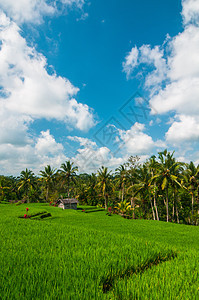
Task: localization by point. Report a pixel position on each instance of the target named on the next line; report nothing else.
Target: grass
(75, 255)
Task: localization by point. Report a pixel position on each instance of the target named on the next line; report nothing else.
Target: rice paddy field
(90, 255)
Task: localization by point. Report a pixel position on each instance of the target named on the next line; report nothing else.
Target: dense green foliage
(77, 255)
(160, 188)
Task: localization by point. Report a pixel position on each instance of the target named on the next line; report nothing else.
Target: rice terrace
(99, 150)
(79, 255)
(101, 246)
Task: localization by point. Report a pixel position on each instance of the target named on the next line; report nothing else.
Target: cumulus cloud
(46, 144)
(146, 55)
(184, 128)
(28, 89)
(174, 76)
(137, 142)
(181, 93)
(28, 92)
(82, 141)
(190, 11)
(89, 157)
(33, 11)
(35, 155)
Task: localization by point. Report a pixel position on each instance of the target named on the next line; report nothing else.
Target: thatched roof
(69, 201)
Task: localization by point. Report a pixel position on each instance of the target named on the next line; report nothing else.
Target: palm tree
(121, 177)
(144, 184)
(153, 167)
(3, 187)
(132, 165)
(48, 177)
(26, 182)
(91, 189)
(191, 177)
(68, 173)
(166, 174)
(104, 181)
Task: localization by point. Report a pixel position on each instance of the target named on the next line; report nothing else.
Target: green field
(79, 255)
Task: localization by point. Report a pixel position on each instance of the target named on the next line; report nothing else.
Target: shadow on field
(108, 282)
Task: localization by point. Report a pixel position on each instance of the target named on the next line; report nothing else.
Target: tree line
(161, 188)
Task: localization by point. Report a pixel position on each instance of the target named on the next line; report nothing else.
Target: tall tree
(132, 166)
(191, 177)
(48, 177)
(144, 184)
(67, 174)
(104, 181)
(27, 181)
(121, 178)
(91, 189)
(153, 167)
(166, 174)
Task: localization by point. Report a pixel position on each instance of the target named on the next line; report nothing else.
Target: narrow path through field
(109, 281)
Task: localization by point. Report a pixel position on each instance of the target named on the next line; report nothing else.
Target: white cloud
(30, 90)
(40, 152)
(190, 11)
(28, 93)
(89, 158)
(181, 93)
(183, 61)
(46, 144)
(33, 11)
(174, 77)
(136, 142)
(131, 61)
(146, 55)
(82, 141)
(184, 128)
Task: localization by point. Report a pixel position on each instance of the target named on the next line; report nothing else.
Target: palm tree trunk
(156, 209)
(104, 195)
(177, 213)
(173, 212)
(47, 194)
(167, 204)
(105, 204)
(122, 192)
(152, 207)
(68, 188)
(133, 206)
(192, 204)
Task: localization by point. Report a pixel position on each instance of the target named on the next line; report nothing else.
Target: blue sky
(97, 81)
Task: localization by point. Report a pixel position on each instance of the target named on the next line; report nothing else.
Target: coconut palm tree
(27, 181)
(121, 178)
(67, 174)
(132, 167)
(143, 184)
(48, 177)
(191, 177)
(91, 189)
(3, 189)
(104, 182)
(153, 167)
(166, 174)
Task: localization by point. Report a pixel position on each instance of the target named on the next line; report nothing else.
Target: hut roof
(69, 201)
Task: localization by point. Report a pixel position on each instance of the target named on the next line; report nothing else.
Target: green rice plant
(73, 255)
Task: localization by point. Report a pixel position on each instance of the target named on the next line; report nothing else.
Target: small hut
(68, 203)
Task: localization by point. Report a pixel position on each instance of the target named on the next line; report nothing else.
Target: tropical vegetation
(161, 188)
